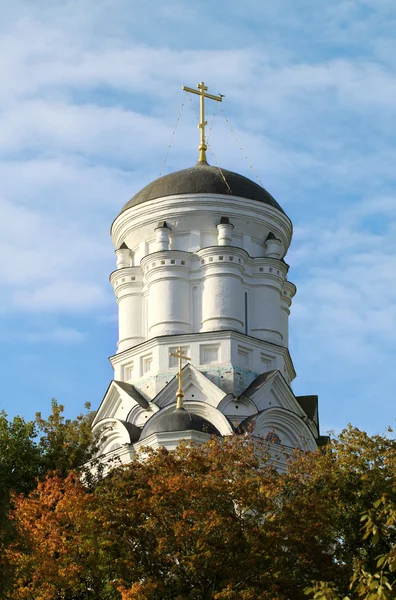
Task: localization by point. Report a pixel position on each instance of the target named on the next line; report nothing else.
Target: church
(204, 299)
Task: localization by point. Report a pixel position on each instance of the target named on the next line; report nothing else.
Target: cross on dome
(202, 123)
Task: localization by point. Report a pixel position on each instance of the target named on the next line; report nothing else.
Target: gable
(196, 386)
(271, 390)
(118, 402)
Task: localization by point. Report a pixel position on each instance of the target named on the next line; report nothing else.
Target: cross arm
(199, 93)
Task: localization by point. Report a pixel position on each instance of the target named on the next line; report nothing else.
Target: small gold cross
(219, 98)
(179, 394)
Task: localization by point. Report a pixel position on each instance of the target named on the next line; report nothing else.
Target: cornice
(177, 206)
(185, 338)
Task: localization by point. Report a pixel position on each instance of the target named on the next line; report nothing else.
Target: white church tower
(201, 273)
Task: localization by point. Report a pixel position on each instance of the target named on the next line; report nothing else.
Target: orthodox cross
(201, 93)
(179, 394)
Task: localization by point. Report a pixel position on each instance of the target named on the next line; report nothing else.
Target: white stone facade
(204, 272)
(199, 284)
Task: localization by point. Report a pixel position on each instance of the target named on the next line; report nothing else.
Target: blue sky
(90, 95)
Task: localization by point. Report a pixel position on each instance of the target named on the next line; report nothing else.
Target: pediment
(118, 402)
(196, 387)
(271, 390)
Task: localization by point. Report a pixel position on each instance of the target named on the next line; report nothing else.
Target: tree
(379, 526)
(19, 465)
(357, 475)
(214, 522)
(19, 458)
(29, 450)
(65, 444)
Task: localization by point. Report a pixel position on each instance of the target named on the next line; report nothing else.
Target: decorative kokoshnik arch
(289, 427)
(115, 433)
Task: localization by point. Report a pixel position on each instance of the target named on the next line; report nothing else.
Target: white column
(223, 294)
(273, 247)
(128, 288)
(224, 232)
(289, 289)
(167, 279)
(123, 256)
(265, 322)
(162, 236)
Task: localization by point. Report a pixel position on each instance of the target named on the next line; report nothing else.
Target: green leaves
(28, 451)
(65, 444)
(208, 522)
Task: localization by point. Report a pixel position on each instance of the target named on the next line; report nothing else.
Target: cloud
(62, 296)
(50, 265)
(58, 335)
(346, 300)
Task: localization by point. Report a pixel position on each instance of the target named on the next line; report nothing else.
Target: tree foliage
(215, 522)
(29, 451)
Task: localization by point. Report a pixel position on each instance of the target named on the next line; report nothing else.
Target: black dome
(178, 420)
(203, 179)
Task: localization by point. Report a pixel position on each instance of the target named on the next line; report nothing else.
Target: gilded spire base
(179, 400)
(202, 153)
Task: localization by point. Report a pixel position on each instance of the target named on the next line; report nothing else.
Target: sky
(90, 94)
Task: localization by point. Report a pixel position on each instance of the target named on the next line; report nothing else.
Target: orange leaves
(51, 536)
(211, 522)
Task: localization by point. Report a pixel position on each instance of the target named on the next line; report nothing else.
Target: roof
(178, 420)
(203, 179)
(258, 382)
(133, 430)
(133, 392)
(309, 404)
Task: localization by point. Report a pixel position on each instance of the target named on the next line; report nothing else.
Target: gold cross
(179, 394)
(219, 98)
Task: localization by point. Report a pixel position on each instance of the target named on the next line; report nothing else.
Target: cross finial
(202, 123)
(179, 394)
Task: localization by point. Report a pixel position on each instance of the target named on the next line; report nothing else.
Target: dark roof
(133, 430)
(246, 426)
(323, 440)
(133, 392)
(203, 179)
(258, 382)
(309, 404)
(178, 420)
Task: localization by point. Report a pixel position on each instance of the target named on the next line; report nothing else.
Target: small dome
(203, 179)
(178, 420)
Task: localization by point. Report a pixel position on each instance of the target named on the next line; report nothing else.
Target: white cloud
(346, 300)
(50, 265)
(62, 296)
(59, 335)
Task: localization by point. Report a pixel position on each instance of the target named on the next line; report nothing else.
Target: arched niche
(114, 433)
(237, 409)
(289, 428)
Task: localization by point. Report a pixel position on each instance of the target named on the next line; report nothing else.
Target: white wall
(199, 286)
